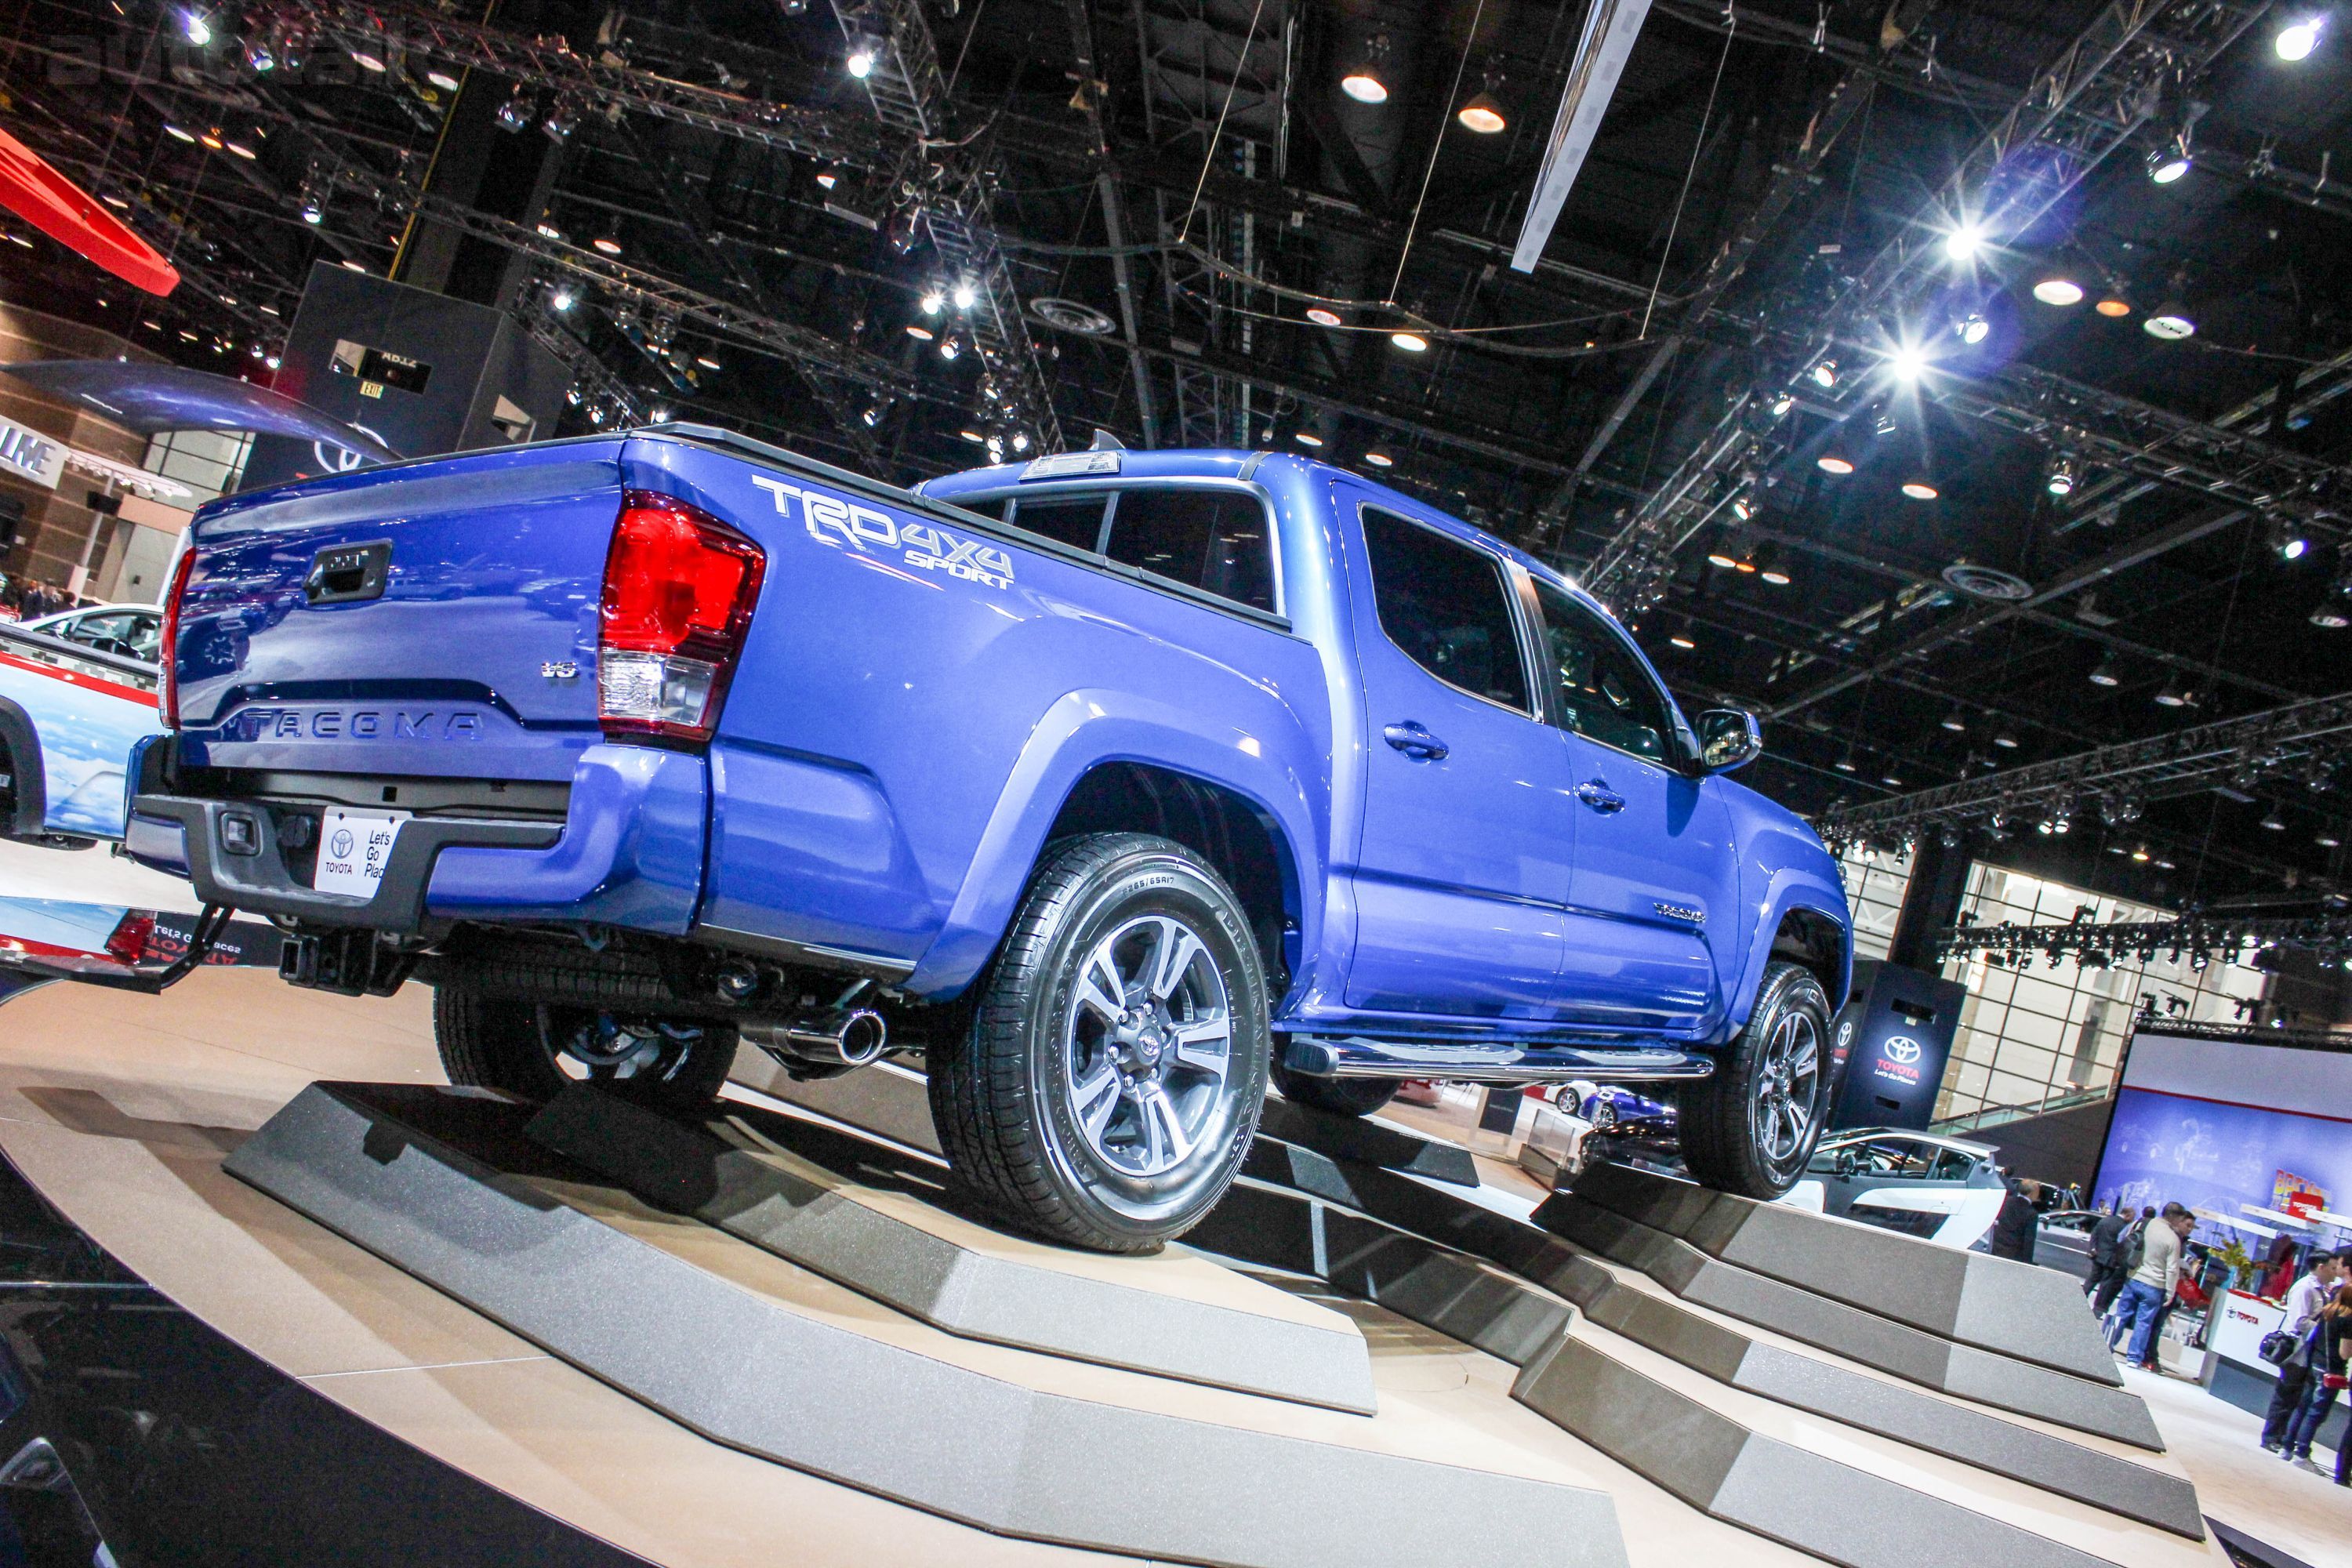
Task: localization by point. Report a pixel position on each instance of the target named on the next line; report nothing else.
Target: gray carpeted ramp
(441, 1184)
(739, 1172)
(1994, 1303)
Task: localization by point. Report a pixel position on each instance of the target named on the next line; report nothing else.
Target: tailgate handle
(347, 574)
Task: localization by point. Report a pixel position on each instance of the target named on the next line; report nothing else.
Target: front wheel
(1750, 1128)
(1109, 1082)
(533, 1050)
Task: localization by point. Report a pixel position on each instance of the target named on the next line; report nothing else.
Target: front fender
(1269, 760)
(1783, 887)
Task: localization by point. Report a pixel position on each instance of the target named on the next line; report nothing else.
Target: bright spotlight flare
(1965, 243)
(2297, 39)
(1908, 363)
(861, 61)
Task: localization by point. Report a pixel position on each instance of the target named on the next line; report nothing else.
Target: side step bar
(1357, 1057)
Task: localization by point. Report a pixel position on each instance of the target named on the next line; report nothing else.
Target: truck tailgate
(435, 619)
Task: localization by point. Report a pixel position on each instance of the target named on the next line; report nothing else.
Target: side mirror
(1728, 739)
(1848, 1163)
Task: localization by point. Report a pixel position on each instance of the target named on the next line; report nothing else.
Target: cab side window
(1216, 540)
(1603, 693)
(1447, 606)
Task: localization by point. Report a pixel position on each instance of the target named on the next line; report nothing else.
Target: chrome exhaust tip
(822, 1037)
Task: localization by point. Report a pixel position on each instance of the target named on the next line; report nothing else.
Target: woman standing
(2327, 1346)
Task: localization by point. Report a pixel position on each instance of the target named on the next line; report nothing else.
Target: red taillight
(167, 690)
(679, 586)
(128, 943)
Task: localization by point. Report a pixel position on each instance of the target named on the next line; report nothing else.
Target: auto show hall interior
(1954, 386)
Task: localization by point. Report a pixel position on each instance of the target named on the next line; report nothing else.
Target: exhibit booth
(2256, 1138)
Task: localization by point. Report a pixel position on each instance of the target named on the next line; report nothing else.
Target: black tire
(1340, 1096)
(1002, 1092)
(535, 1050)
(1722, 1121)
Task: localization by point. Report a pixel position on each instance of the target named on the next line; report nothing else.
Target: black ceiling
(1244, 187)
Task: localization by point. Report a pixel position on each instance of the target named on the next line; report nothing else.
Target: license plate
(354, 846)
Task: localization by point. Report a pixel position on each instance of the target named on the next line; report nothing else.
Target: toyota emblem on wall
(1900, 1048)
(342, 844)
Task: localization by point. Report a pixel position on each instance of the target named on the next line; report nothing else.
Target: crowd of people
(2319, 1322)
(2135, 1268)
(29, 598)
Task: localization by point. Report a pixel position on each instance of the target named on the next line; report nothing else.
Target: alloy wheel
(1148, 1045)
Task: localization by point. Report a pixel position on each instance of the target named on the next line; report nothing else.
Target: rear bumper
(629, 853)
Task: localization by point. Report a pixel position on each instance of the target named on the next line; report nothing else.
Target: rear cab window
(1210, 539)
(1216, 540)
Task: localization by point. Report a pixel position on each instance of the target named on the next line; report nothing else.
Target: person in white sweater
(2150, 1285)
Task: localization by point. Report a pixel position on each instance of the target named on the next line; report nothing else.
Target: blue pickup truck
(1116, 783)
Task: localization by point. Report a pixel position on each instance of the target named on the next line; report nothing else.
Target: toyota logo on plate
(1900, 1048)
(340, 847)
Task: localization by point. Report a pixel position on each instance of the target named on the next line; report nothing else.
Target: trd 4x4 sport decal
(922, 545)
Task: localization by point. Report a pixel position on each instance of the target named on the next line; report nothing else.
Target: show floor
(2219, 1446)
(93, 876)
(119, 1108)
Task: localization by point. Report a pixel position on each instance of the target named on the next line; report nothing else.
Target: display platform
(1737, 1414)
(1533, 1399)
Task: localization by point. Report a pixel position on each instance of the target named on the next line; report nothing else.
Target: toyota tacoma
(1116, 783)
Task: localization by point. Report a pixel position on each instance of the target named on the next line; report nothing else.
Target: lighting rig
(2196, 937)
(2306, 742)
(2095, 98)
(937, 186)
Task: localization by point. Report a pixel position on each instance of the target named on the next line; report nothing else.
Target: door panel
(1464, 865)
(1654, 869)
(1644, 892)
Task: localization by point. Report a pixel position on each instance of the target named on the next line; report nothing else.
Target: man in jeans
(2148, 1289)
(2304, 1300)
(2109, 1238)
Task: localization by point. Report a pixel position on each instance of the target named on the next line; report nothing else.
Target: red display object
(73, 216)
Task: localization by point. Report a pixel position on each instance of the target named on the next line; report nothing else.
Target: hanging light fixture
(1483, 114)
(1920, 489)
(2170, 321)
(2105, 672)
(1380, 459)
(1322, 316)
(2172, 696)
(2297, 39)
(1825, 374)
(1362, 81)
(2272, 821)
(1411, 342)
(2062, 475)
(2114, 306)
(2056, 291)
(1955, 721)
(1833, 463)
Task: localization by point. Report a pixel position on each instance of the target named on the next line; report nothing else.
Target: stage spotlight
(1482, 115)
(1825, 374)
(1964, 243)
(2058, 291)
(2297, 39)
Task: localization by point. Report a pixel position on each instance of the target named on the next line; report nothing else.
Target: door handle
(1596, 794)
(1413, 739)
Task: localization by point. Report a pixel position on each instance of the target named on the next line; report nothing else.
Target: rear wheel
(1340, 1096)
(534, 1050)
(1110, 1080)
(1750, 1128)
